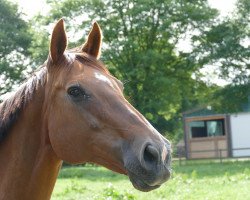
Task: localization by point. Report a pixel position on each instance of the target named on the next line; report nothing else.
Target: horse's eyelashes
(74, 91)
(77, 93)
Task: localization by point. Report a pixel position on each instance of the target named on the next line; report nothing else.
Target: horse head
(89, 119)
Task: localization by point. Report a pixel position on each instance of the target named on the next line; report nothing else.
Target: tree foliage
(227, 45)
(232, 98)
(141, 47)
(14, 41)
(141, 40)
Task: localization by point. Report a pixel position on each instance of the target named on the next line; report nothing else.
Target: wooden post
(220, 153)
(179, 158)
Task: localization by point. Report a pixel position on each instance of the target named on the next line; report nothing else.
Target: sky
(31, 7)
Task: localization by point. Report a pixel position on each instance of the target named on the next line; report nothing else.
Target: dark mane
(11, 108)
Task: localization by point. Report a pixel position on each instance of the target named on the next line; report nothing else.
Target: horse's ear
(93, 44)
(58, 41)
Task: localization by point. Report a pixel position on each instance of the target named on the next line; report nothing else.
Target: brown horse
(74, 110)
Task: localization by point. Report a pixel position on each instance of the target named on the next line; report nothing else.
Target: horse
(72, 109)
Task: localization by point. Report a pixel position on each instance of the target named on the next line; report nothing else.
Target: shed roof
(201, 111)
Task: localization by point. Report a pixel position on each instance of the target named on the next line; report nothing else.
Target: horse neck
(29, 166)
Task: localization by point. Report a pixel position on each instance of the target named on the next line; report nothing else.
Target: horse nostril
(151, 155)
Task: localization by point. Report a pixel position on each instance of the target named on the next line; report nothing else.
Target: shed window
(209, 128)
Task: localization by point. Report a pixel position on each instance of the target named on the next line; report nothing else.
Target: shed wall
(206, 147)
(240, 134)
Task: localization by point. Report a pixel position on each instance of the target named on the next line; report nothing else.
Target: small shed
(212, 135)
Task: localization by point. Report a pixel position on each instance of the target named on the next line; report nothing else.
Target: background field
(193, 180)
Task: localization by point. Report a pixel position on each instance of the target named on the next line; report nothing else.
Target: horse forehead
(80, 72)
(103, 78)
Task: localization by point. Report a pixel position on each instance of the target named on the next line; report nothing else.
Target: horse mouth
(139, 184)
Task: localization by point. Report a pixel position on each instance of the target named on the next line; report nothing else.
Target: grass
(193, 180)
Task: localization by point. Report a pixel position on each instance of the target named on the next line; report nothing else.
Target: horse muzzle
(151, 168)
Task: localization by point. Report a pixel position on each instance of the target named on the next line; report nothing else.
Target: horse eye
(75, 91)
(77, 94)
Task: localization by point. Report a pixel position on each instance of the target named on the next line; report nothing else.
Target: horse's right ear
(58, 41)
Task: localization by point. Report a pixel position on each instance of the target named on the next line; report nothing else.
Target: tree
(226, 45)
(141, 40)
(232, 98)
(14, 41)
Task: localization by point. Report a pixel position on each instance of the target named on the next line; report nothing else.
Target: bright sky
(225, 6)
(32, 7)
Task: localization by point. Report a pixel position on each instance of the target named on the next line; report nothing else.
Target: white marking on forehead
(103, 78)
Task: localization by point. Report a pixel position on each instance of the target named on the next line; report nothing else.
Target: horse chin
(139, 184)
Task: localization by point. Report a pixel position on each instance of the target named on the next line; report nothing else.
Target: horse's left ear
(58, 41)
(93, 44)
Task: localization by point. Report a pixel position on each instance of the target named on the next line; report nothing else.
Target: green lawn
(194, 180)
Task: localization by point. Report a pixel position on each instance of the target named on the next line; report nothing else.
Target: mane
(11, 108)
